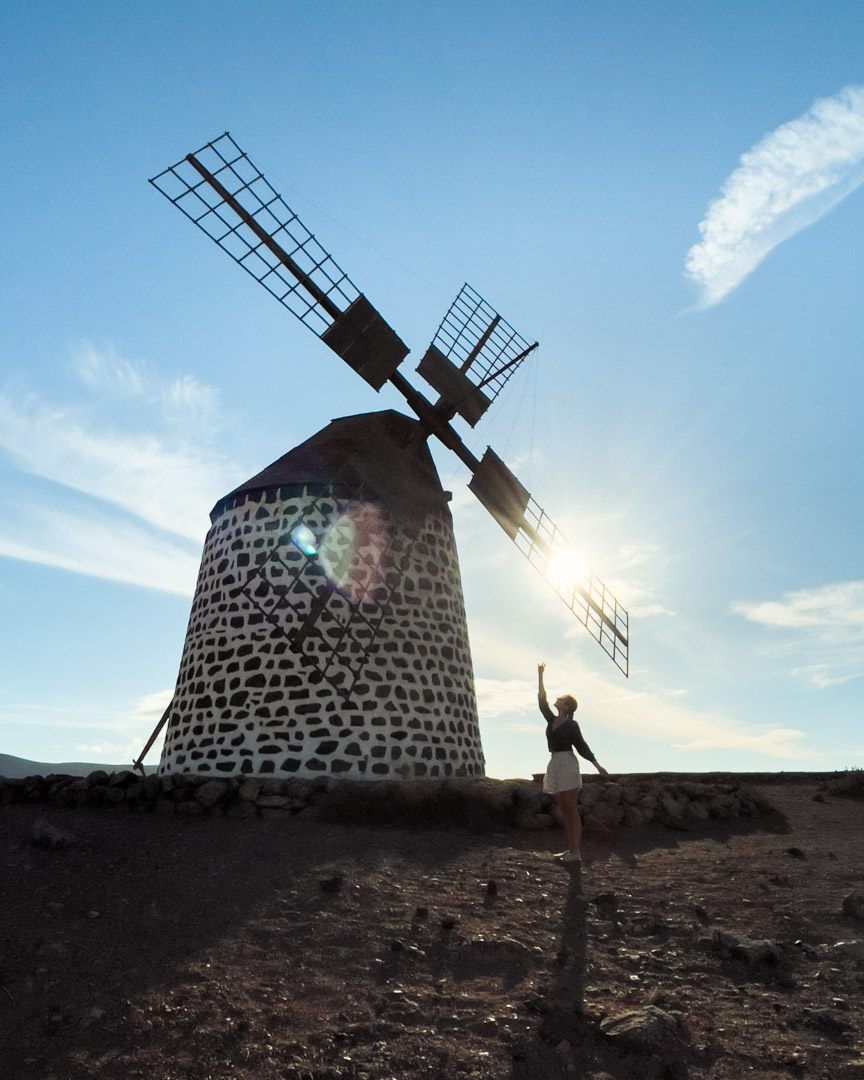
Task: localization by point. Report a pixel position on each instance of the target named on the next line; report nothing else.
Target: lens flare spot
(304, 540)
(353, 550)
(338, 550)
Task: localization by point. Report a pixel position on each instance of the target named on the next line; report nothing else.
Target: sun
(566, 569)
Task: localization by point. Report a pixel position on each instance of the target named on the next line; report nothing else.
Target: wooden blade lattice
(226, 196)
(545, 547)
(479, 343)
(185, 186)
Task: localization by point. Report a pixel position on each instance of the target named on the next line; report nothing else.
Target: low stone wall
(466, 803)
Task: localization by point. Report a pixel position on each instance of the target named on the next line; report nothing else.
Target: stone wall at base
(476, 803)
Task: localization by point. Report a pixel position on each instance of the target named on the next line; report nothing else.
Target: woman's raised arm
(541, 690)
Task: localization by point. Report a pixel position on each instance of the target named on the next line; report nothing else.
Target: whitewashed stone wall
(246, 703)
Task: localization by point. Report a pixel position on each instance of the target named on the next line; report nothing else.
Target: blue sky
(666, 195)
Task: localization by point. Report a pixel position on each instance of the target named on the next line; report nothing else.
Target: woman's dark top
(565, 735)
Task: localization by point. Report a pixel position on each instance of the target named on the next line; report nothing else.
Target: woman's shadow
(560, 1004)
(568, 1041)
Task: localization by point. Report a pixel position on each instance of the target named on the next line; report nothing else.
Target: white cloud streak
(509, 714)
(825, 626)
(129, 497)
(505, 697)
(786, 182)
(776, 742)
(647, 716)
(172, 487)
(113, 736)
(98, 546)
(105, 370)
(183, 397)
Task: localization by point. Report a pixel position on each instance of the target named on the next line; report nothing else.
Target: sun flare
(566, 569)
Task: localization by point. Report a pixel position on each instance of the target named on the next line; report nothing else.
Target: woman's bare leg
(565, 816)
(568, 804)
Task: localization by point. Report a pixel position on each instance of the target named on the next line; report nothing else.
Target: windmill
(327, 633)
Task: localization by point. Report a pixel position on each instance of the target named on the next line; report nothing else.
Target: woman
(563, 778)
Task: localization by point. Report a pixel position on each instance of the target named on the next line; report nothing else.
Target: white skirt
(562, 773)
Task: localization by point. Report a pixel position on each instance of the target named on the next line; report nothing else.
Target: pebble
(645, 1031)
(49, 837)
(753, 951)
(54, 948)
(853, 905)
(855, 949)
(93, 1016)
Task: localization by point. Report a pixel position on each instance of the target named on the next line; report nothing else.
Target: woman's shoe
(571, 857)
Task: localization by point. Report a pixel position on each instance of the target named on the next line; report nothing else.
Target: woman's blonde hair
(570, 701)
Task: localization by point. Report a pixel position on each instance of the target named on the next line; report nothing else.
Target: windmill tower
(327, 634)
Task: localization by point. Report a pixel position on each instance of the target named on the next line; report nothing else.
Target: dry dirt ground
(289, 949)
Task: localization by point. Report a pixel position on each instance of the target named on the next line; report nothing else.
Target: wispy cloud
(775, 742)
(638, 598)
(97, 545)
(789, 180)
(109, 736)
(656, 719)
(508, 706)
(135, 475)
(106, 373)
(821, 629)
(103, 369)
(139, 723)
(171, 486)
(505, 697)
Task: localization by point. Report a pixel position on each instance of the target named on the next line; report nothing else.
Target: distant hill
(15, 768)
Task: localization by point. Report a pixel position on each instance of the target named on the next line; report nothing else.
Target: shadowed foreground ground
(283, 948)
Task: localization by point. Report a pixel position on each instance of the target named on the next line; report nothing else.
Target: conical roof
(386, 452)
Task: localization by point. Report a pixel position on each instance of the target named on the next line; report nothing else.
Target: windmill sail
(545, 547)
(228, 198)
(473, 354)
